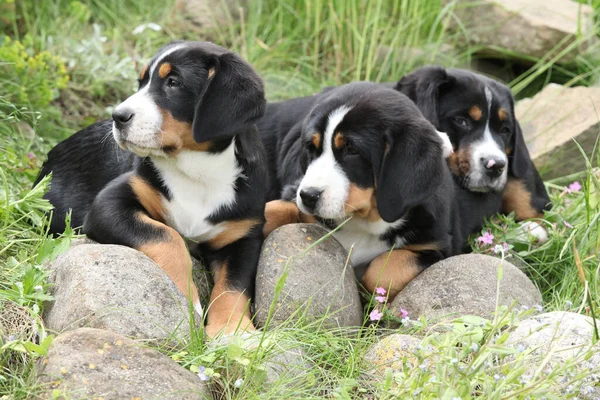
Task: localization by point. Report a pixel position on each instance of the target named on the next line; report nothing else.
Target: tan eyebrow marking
(339, 141)
(475, 112)
(316, 139)
(502, 114)
(164, 70)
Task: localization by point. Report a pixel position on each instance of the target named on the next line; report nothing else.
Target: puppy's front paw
(532, 229)
(446, 144)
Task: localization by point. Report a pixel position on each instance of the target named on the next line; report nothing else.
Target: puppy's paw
(446, 144)
(532, 229)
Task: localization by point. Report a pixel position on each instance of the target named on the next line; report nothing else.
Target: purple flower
(568, 225)
(380, 291)
(31, 156)
(380, 299)
(403, 313)
(487, 238)
(573, 187)
(203, 377)
(375, 315)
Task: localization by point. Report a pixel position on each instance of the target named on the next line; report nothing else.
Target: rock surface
(552, 119)
(567, 336)
(526, 28)
(115, 288)
(465, 285)
(320, 282)
(92, 363)
(397, 351)
(210, 14)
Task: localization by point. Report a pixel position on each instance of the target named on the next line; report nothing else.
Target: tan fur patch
(339, 141)
(316, 139)
(392, 273)
(517, 198)
(172, 256)
(149, 197)
(279, 213)
(362, 202)
(177, 135)
(502, 114)
(475, 113)
(508, 150)
(459, 162)
(164, 70)
(143, 72)
(416, 247)
(229, 309)
(232, 232)
(211, 73)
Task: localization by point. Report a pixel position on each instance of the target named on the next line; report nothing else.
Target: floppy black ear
(411, 172)
(423, 88)
(234, 99)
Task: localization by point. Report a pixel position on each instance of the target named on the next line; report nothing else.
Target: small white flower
(539, 308)
(19, 285)
(498, 249)
(524, 307)
(520, 348)
(405, 320)
(432, 379)
(568, 304)
(238, 383)
(475, 347)
(454, 361)
(38, 288)
(150, 25)
(35, 309)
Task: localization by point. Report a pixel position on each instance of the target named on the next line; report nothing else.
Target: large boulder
(465, 285)
(556, 339)
(523, 28)
(92, 363)
(116, 288)
(552, 120)
(319, 279)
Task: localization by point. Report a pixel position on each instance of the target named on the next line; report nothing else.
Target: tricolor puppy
(490, 155)
(365, 153)
(198, 172)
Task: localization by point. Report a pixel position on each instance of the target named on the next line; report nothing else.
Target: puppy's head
(190, 95)
(367, 151)
(478, 115)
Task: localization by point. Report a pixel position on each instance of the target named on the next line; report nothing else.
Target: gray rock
(566, 337)
(115, 288)
(396, 351)
(320, 281)
(285, 364)
(526, 28)
(92, 363)
(465, 285)
(552, 120)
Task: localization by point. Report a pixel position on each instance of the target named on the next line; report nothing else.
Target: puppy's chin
(321, 212)
(483, 184)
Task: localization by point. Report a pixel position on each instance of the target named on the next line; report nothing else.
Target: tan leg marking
(229, 309)
(433, 246)
(394, 273)
(279, 213)
(148, 197)
(233, 231)
(172, 256)
(177, 135)
(517, 198)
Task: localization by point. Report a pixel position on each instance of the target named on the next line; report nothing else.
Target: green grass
(299, 47)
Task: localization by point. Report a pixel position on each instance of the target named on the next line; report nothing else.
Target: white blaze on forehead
(326, 175)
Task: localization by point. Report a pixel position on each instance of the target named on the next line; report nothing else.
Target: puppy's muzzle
(123, 118)
(494, 166)
(310, 198)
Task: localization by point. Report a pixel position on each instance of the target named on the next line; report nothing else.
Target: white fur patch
(198, 308)
(200, 184)
(487, 147)
(446, 144)
(325, 174)
(532, 229)
(365, 237)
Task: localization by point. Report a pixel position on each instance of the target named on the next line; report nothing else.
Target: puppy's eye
(350, 149)
(173, 82)
(459, 121)
(505, 130)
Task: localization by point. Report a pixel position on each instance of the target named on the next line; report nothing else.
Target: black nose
(310, 197)
(122, 117)
(494, 166)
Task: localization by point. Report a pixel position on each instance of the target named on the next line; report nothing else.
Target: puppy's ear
(520, 166)
(411, 172)
(234, 98)
(423, 87)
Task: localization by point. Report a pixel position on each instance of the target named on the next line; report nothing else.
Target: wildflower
(238, 383)
(417, 392)
(454, 361)
(487, 238)
(568, 304)
(38, 288)
(405, 321)
(573, 187)
(568, 225)
(497, 377)
(539, 308)
(524, 307)
(457, 398)
(520, 348)
(203, 377)
(141, 28)
(19, 286)
(403, 313)
(380, 291)
(498, 249)
(375, 315)
(380, 299)
(31, 156)
(475, 347)
(587, 390)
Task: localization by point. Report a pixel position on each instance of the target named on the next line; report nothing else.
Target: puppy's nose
(122, 117)
(494, 166)
(310, 197)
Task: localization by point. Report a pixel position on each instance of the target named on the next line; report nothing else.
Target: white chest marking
(365, 237)
(200, 185)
